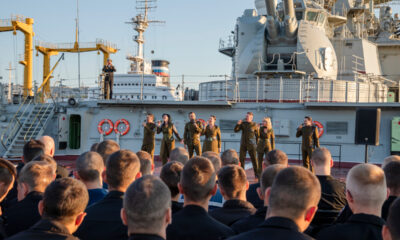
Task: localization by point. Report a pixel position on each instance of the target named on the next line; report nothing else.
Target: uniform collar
(50, 226)
(261, 212)
(137, 236)
(367, 218)
(280, 222)
(115, 195)
(236, 203)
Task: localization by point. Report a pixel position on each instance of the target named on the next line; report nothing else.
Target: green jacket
(191, 135)
(267, 138)
(249, 132)
(149, 132)
(310, 136)
(169, 132)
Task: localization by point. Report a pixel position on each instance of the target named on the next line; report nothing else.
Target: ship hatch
(75, 132)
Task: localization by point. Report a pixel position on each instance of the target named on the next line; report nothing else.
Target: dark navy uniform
(45, 229)
(274, 228)
(24, 214)
(193, 222)
(252, 196)
(137, 236)
(232, 211)
(250, 222)
(103, 219)
(386, 206)
(359, 226)
(109, 79)
(176, 206)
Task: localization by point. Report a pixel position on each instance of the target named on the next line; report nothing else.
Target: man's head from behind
(147, 206)
(32, 149)
(34, 176)
(232, 182)
(391, 230)
(8, 173)
(179, 154)
(48, 159)
(267, 178)
(392, 158)
(146, 163)
(65, 201)
(275, 157)
(392, 174)
(122, 168)
(214, 158)
(171, 175)
(230, 156)
(198, 180)
(89, 168)
(106, 148)
(295, 194)
(321, 159)
(49, 146)
(366, 189)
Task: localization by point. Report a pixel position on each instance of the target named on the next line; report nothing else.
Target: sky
(189, 39)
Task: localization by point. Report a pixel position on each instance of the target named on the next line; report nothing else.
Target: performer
(168, 142)
(248, 141)
(149, 132)
(191, 135)
(266, 142)
(109, 70)
(212, 142)
(310, 140)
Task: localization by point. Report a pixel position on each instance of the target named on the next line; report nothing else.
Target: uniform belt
(210, 139)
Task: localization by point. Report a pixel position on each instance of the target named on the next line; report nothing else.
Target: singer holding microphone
(310, 140)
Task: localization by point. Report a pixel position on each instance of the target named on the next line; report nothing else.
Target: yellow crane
(50, 49)
(24, 25)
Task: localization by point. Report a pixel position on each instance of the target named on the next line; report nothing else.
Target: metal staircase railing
(33, 126)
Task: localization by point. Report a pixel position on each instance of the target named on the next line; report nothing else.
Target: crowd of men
(112, 193)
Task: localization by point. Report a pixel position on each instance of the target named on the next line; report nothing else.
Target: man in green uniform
(149, 131)
(191, 135)
(310, 140)
(248, 141)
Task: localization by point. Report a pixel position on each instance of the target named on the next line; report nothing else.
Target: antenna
(77, 42)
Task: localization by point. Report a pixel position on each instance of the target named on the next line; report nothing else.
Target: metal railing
(37, 119)
(15, 124)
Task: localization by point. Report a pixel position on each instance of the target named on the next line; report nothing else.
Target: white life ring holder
(124, 121)
(100, 127)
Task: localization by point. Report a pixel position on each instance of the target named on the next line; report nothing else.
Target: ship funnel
(272, 23)
(290, 19)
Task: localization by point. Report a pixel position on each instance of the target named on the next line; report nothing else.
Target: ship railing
(72, 45)
(15, 124)
(229, 42)
(8, 22)
(275, 63)
(38, 122)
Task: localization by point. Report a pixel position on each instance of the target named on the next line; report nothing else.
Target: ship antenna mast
(140, 23)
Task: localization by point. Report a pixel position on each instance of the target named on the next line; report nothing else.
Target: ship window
(336, 128)
(153, 85)
(155, 97)
(145, 97)
(145, 84)
(138, 97)
(299, 16)
(312, 16)
(131, 96)
(227, 125)
(137, 84)
(164, 97)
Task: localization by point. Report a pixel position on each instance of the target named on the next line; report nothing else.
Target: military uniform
(109, 79)
(149, 140)
(265, 144)
(248, 143)
(310, 139)
(168, 141)
(212, 142)
(191, 137)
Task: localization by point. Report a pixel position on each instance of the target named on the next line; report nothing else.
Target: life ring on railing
(127, 127)
(100, 126)
(320, 128)
(202, 121)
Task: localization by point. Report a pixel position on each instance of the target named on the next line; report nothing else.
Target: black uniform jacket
(103, 219)
(232, 211)
(250, 222)
(193, 222)
(252, 196)
(24, 214)
(359, 226)
(274, 228)
(45, 229)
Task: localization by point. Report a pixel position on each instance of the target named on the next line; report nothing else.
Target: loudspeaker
(368, 121)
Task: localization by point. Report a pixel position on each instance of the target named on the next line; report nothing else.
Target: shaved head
(268, 176)
(89, 166)
(321, 157)
(367, 185)
(49, 145)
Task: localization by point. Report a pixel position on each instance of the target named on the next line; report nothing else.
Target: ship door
(75, 131)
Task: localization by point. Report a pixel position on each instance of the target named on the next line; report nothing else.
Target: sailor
(191, 135)
(266, 141)
(248, 141)
(109, 70)
(310, 140)
(212, 142)
(168, 141)
(149, 131)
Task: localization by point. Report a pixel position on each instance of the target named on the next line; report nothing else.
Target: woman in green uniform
(266, 142)
(168, 141)
(212, 133)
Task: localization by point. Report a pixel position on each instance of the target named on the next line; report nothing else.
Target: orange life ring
(100, 126)
(320, 128)
(202, 121)
(124, 121)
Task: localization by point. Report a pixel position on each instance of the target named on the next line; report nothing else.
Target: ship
(291, 59)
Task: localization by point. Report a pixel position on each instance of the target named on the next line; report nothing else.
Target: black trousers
(108, 86)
